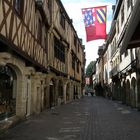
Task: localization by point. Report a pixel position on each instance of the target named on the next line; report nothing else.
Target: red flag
(95, 22)
(87, 80)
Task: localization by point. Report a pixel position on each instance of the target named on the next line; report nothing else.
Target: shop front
(8, 82)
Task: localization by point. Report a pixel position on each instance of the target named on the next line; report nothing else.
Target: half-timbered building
(41, 57)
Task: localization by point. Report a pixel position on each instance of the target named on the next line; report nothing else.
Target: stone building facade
(41, 57)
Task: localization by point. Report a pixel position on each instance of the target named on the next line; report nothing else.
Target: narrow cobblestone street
(90, 118)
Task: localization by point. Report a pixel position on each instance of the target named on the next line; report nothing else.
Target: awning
(134, 21)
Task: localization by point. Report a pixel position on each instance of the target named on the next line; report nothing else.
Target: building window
(74, 40)
(78, 48)
(39, 36)
(116, 62)
(120, 58)
(115, 43)
(78, 67)
(18, 5)
(59, 50)
(126, 53)
(49, 4)
(62, 19)
(73, 62)
(118, 26)
(128, 3)
(122, 15)
(46, 42)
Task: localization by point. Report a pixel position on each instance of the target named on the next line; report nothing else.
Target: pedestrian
(91, 93)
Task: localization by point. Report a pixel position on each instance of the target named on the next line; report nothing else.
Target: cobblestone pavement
(90, 118)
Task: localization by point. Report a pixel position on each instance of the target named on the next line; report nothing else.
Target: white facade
(120, 71)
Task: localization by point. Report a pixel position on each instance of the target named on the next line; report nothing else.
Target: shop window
(7, 92)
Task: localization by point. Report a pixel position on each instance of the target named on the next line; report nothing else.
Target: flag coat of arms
(95, 22)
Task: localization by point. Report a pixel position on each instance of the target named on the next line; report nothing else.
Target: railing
(117, 71)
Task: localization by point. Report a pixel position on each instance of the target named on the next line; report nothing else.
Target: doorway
(8, 86)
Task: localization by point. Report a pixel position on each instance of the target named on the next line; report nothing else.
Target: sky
(73, 9)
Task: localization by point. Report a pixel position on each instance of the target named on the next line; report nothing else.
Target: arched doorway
(8, 87)
(128, 92)
(51, 95)
(124, 93)
(113, 90)
(60, 92)
(45, 98)
(68, 92)
(119, 90)
(134, 92)
(138, 94)
(75, 92)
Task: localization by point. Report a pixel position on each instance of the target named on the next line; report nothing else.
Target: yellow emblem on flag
(101, 15)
